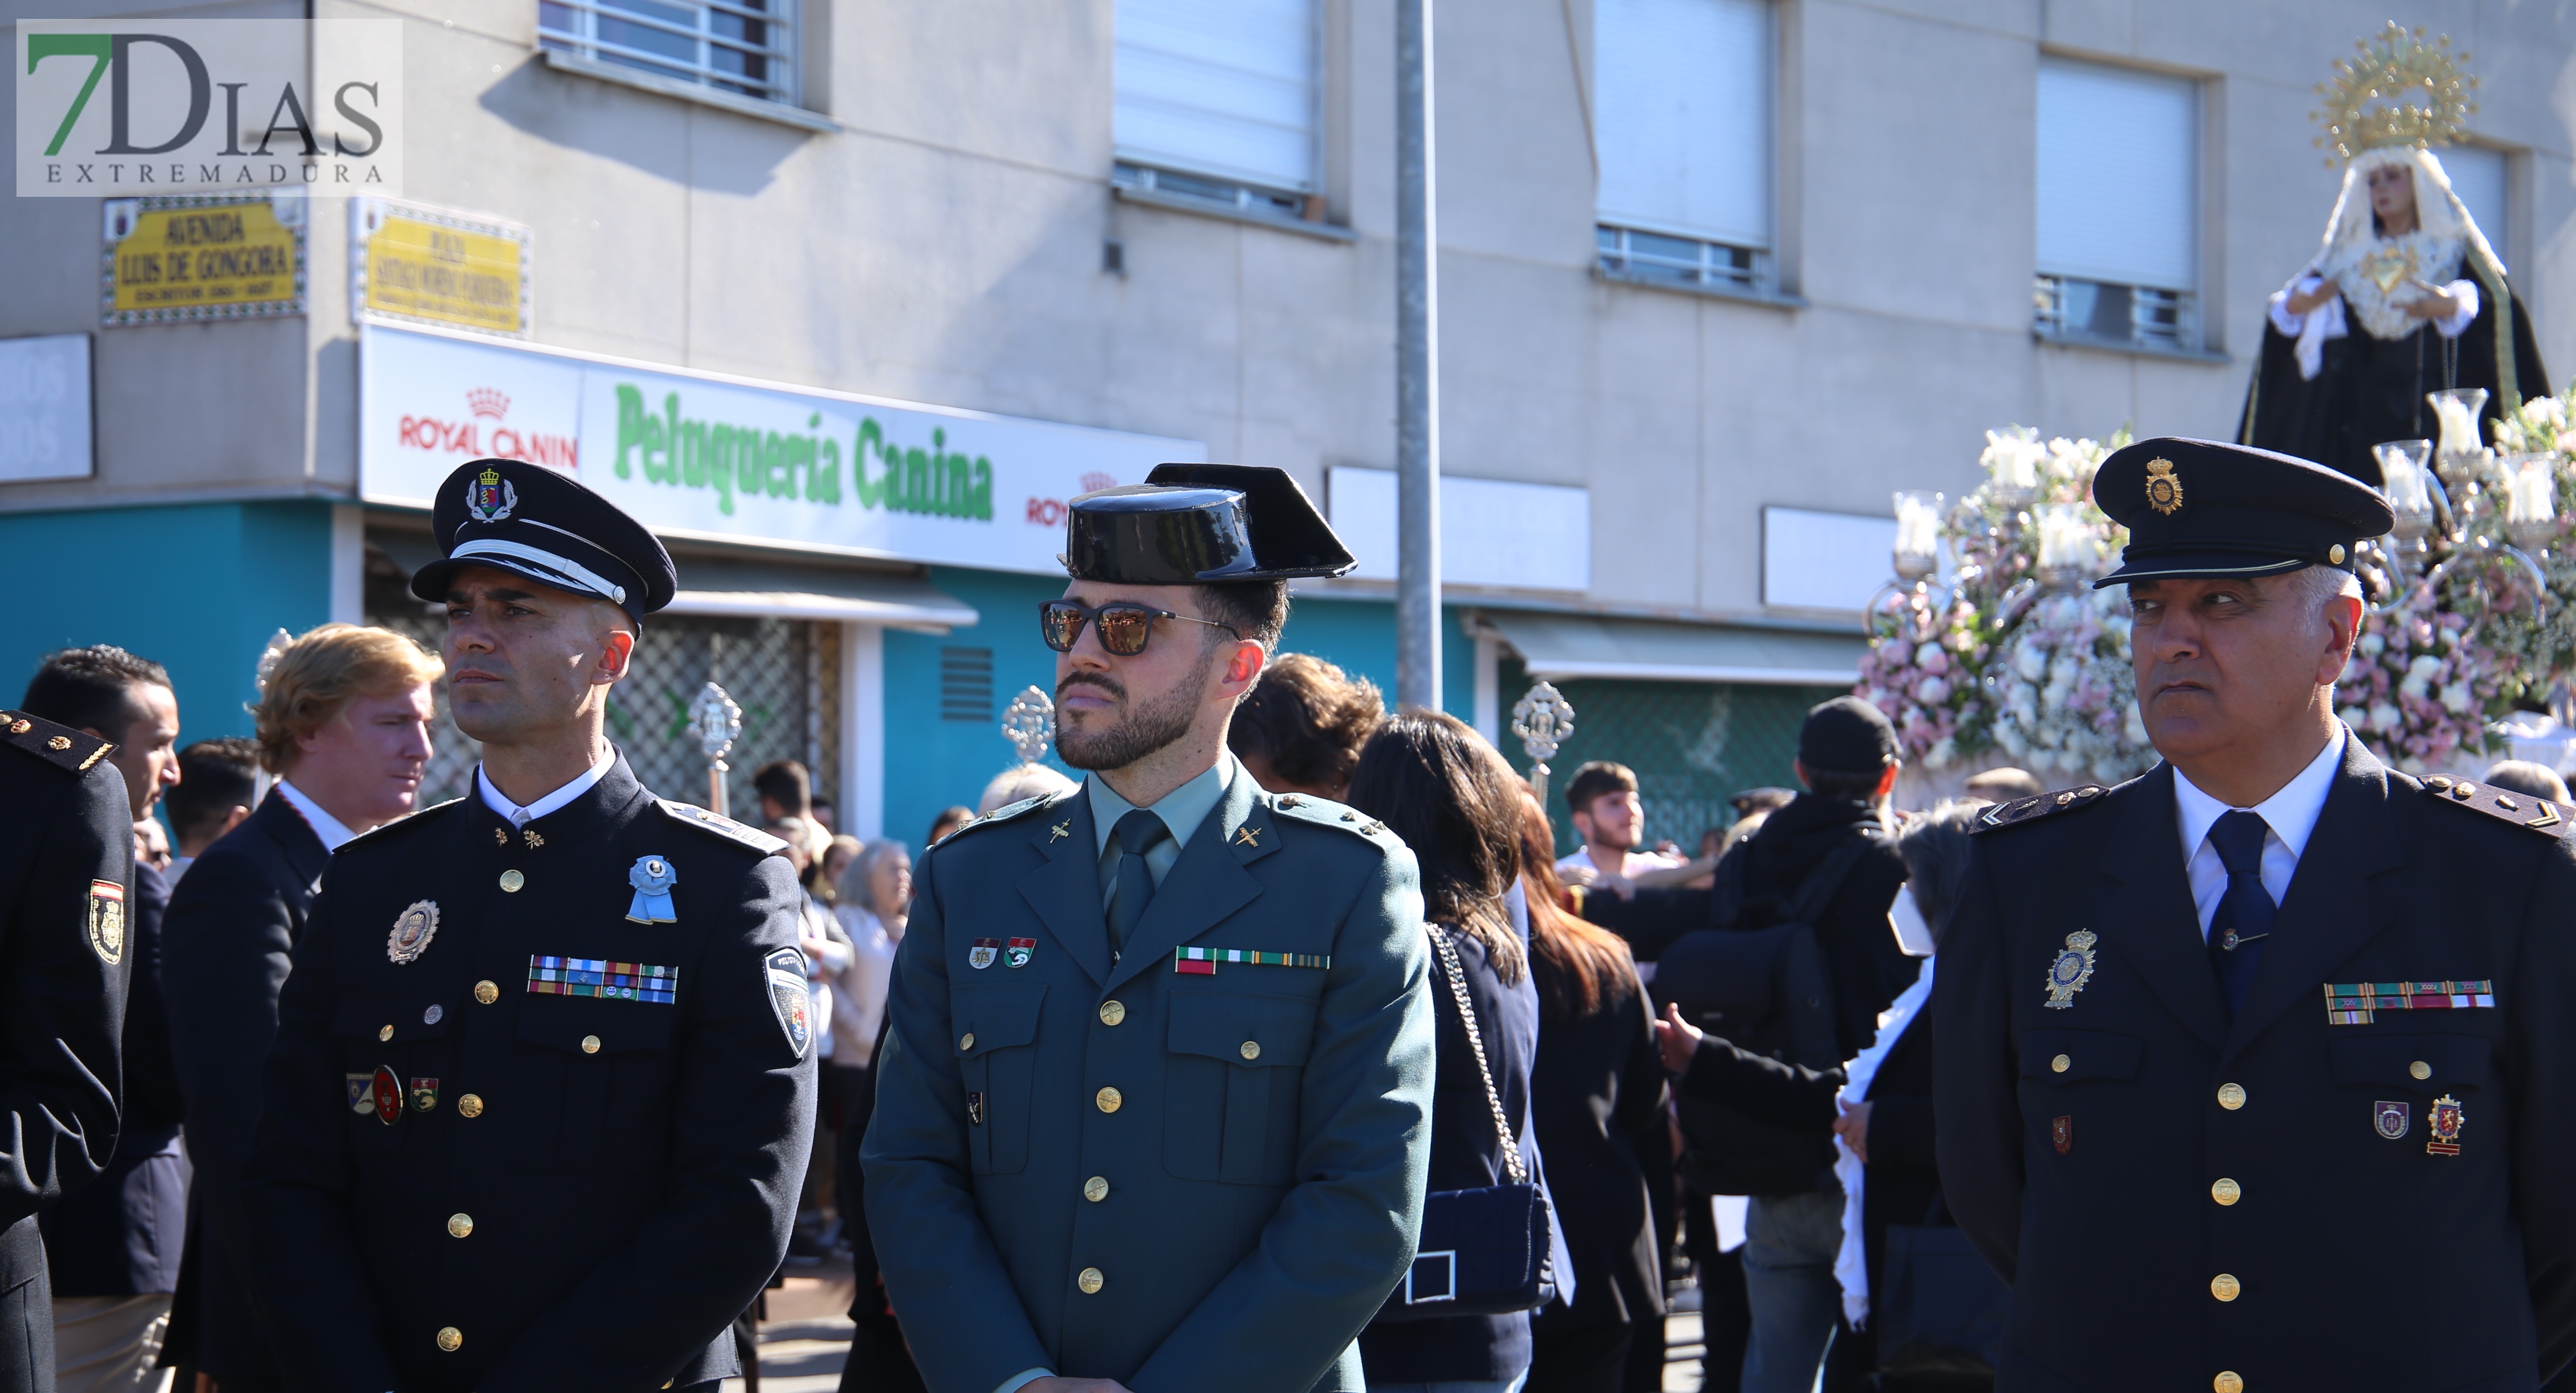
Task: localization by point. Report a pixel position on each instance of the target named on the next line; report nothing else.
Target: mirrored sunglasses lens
(1062, 625)
(1123, 629)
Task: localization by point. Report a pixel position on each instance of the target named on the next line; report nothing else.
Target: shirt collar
(1182, 809)
(2291, 813)
(563, 797)
(331, 830)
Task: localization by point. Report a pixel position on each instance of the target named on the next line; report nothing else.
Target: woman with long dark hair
(1440, 787)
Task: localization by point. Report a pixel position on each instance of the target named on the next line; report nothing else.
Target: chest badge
(983, 952)
(652, 877)
(413, 929)
(2071, 970)
(385, 1092)
(2392, 1119)
(1060, 831)
(1017, 951)
(2444, 1124)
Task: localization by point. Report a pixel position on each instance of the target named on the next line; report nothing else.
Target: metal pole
(1417, 367)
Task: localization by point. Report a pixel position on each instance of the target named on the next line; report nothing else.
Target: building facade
(846, 297)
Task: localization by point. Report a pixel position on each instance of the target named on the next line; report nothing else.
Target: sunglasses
(1123, 627)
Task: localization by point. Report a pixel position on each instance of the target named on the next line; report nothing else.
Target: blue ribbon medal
(652, 877)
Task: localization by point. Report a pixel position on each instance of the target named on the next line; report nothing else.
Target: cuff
(1016, 1382)
(2289, 324)
(2466, 293)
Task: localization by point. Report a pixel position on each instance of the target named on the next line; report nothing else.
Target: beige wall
(946, 247)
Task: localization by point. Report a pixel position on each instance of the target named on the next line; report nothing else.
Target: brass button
(2224, 1286)
(486, 992)
(450, 1338)
(1096, 1188)
(2334, 554)
(2231, 1096)
(590, 1044)
(2420, 1069)
(385, 1034)
(511, 880)
(459, 1225)
(2060, 1064)
(1090, 1281)
(1252, 1049)
(2227, 1382)
(2226, 1191)
(470, 1105)
(966, 1041)
(1108, 1099)
(1112, 1012)
(2464, 791)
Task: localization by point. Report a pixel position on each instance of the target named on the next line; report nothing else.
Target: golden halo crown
(2400, 90)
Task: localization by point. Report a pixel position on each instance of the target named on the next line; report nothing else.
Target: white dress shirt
(517, 816)
(331, 830)
(2289, 818)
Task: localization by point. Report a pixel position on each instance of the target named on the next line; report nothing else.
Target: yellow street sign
(178, 259)
(425, 266)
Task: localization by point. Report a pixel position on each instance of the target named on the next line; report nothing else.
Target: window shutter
(1683, 117)
(2478, 177)
(2119, 176)
(1219, 87)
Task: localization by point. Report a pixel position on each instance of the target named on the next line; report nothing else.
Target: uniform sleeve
(741, 1136)
(941, 1269)
(1974, 1082)
(225, 949)
(2542, 1041)
(62, 1005)
(1785, 1095)
(1343, 1235)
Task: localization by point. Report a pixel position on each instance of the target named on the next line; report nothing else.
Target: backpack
(1763, 990)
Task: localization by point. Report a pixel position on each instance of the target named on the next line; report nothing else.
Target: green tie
(1136, 833)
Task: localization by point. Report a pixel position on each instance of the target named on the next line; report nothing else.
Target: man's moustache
(1109, 685)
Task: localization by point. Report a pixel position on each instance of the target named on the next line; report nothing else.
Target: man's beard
(1143, 728)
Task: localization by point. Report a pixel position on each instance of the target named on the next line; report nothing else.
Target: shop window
(746, 47)
(966, 684)
(1216, 103)
(1683, 126)
(2111, 138)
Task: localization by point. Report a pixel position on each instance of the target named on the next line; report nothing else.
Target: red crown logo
(1095, 482)
(488, 401)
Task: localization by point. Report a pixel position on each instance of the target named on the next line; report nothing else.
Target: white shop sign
(44, 408)
(700, 455)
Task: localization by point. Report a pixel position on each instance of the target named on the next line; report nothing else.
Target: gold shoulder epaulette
(58, 745)
(2037, 806)
(2520, 809)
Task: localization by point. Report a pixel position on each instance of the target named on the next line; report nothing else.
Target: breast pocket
(2080, 1056)
(390, 1052)
(593, 1085)
(2412, 1063)
(997, 1033)
(1230, 1086)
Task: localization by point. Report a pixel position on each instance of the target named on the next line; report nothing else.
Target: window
(1216, 102)
(739, 46)
(2478, 177)
(1683, 122)
(2119, 207)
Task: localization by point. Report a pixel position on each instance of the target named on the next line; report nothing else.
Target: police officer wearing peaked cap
(543, 1085)
(1153, 1109)
(2253, 1070)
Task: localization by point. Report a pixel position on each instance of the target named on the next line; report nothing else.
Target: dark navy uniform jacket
(495, 1168)
(1185, 1180)
(2178, 1198)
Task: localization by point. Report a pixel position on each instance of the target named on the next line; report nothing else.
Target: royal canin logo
(471, 439)
(488, 402)
(1094, 482)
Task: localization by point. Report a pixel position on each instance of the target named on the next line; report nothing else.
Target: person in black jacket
(343, 720)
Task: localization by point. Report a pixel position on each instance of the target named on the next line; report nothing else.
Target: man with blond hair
(343, 723)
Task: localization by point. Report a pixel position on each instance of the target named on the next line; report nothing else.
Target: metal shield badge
(413, 929)
(1017, 952)
(983, 953)
(387, 1096)
(489, 497)
(2071, 969)
(791, 997)
(2444, 1122)
(107, 921)
(424, 1095)
(2392, 1119)
(362, 1094)
(2061, 1131)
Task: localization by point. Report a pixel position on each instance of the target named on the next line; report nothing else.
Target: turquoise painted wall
(932, 763)
(197, 588)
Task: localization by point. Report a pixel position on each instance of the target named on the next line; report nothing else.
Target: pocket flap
(369, 1017)
(2088, 1054)
(2451, 1062)
(590, 1026)
(995, 1018)
(1260, 1031)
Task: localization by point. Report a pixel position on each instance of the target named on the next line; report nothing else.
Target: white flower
(2384, 717)
(2372, 645)
(2424, 667)
(2030, 661)
(1943, 753)
(1924, 654)
(2356, 717)
(2455, 698)
(1932, 691)
(2546, 410)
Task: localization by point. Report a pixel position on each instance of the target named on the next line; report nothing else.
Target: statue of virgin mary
(2405, 298)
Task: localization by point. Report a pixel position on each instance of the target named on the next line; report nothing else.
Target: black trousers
(878, 1362)
(1568, 1355)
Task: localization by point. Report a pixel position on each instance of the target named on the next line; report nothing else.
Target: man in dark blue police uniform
(2253, 1072)
(1153, 1112)
(543, 1084)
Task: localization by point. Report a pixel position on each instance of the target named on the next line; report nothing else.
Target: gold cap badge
(2164, 491)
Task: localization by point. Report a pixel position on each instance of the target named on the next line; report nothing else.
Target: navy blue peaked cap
(2198, 509)
(533, 521)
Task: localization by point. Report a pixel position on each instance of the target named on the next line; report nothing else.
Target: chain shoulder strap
(1476, 1040)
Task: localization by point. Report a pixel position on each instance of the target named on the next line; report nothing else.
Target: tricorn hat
(1200, 524)
(525, 518)
(2200, 509)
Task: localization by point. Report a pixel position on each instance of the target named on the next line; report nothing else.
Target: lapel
(2154, 927)
(2332, 907)
(1208, 882)
(1064, 886)
(295, 838)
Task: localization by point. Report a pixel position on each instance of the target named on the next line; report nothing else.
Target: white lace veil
(2438, 211)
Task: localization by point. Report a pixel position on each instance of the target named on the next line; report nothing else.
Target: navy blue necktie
(2243, 923)
(1136, 834)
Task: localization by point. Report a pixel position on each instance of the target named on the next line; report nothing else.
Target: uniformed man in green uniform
(1153, 1112)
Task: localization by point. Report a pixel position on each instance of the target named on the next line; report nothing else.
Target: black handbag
(1483, 1252)
(1944, 1310)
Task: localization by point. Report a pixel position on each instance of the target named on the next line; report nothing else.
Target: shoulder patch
(1324, 812)
(1009, 812)
(2038, 806)
(2520, 809)
(58, 745)
(691, 815)
(413, 820)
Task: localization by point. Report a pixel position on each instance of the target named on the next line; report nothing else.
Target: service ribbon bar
(1203, 961)
(2352, 1003)
(600, 978)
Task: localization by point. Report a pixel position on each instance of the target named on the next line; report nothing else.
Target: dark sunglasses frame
(1088, 614)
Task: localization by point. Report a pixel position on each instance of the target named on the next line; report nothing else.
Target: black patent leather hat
(1198, 524)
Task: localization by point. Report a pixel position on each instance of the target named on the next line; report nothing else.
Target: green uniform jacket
(1233, 1160)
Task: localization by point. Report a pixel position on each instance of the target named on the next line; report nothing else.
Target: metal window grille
(965, 684)
(1631, 254)
(765, 664)
(2141, 316)
(741, 46)
(1252, 199)
(1693, 745)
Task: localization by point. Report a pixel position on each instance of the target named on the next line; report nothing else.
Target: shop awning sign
(705, 456)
